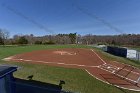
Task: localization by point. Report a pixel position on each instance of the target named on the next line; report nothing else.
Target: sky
(45, 17)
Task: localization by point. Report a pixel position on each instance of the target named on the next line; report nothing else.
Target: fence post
(138, 56)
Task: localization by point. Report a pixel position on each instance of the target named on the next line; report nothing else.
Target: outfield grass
(76, 79)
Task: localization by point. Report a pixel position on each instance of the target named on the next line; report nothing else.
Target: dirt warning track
(114, 73)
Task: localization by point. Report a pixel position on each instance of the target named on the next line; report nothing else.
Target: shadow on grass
(32, 86)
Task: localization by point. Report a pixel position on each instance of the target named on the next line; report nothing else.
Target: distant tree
(22, 40)
(30, 38)
(62, 39)
(31, 35)
(72, 37)
(4, 34)
(113, 42)
(1, 41)
(38, 42)
(49, 43)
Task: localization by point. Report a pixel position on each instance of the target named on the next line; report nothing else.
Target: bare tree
(4, 35)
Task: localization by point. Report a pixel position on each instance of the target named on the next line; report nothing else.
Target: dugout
(117, 51)
(6, 76)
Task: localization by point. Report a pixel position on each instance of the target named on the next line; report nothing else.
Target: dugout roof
(5, 70)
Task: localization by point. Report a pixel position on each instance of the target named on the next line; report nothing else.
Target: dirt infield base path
(114, 73)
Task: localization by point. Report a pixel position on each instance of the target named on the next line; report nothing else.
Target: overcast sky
(42, 17)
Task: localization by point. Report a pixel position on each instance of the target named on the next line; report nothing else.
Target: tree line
(71, 38)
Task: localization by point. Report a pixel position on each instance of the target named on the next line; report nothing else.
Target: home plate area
(110, 72)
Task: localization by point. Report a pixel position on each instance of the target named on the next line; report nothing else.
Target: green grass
(76, 80)
(11, 50)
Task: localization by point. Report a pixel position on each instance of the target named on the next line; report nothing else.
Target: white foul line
(98, 56)
(55, 63)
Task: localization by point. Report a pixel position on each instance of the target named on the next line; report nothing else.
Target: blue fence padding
(122, 52)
